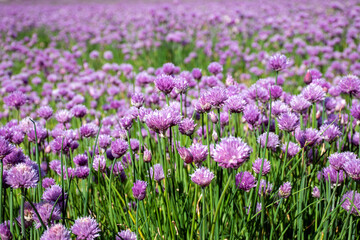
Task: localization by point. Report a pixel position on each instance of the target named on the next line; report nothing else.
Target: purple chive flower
(63, 116)
(119, 148)
(355, 111)
(126, 123)
(273, 140)
(118, 168)
(352, 168)
(5, 148)
(48, 182)
(257, 166)
(354, 204)
(139, 189)
(45, 210)
(158, 121)
(89, 130)
(134, 144)
(202, 177)
(265, 188)
(16, 156)
(349, 84)
(168, 68)
(164, 83)
(5, 233)
(245, 181)
(86, 228)
(157, 172)
(330, 132)
(308, 137)
(185, 155)
(285, 190)
(276, 91)
(41, 134)
(288, 121)
(236, 104)
(337, 160)
(56, 232)
(45, 112)
(108, 55)
(82, 172)
(79, 111)
(137, 100)
(278, 62)
(187, 126)
(215, 68)
(29, 214)
(181, 85)
(104, 141)
(315, 192)
(203, 105)
(126, 235)
(279, 107)
(313, 93)
(199, 152)
(99, 163)
(293, 149)
(217, 97)
(54, 193)
(332, 175)
(196, 73)
(81, 160)
(252, 115)
(15, 99)
(231, 152)
(22, 175)
(257, 92)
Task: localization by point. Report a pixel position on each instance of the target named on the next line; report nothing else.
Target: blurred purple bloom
(278, 62)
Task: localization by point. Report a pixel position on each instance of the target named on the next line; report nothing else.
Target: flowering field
(194, 120)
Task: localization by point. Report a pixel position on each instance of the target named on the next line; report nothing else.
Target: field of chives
(219, 120)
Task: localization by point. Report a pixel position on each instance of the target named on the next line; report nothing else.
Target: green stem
(218, 206)
(23, 232)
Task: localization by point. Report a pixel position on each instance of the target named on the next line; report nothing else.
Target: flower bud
(185, 155)
(215, 136)
(307, 78)
(147, 156)
(213, 117)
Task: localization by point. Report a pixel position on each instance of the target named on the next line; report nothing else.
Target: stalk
(90, 175)
(131, 155)
(203, 215)
(11, 211)
(218, 206)
(37, 161)
(23, 232)
(314, 124)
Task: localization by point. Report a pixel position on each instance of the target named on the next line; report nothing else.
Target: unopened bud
(185, 155)
(213, 117)
(147, 156)
(307, 78)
